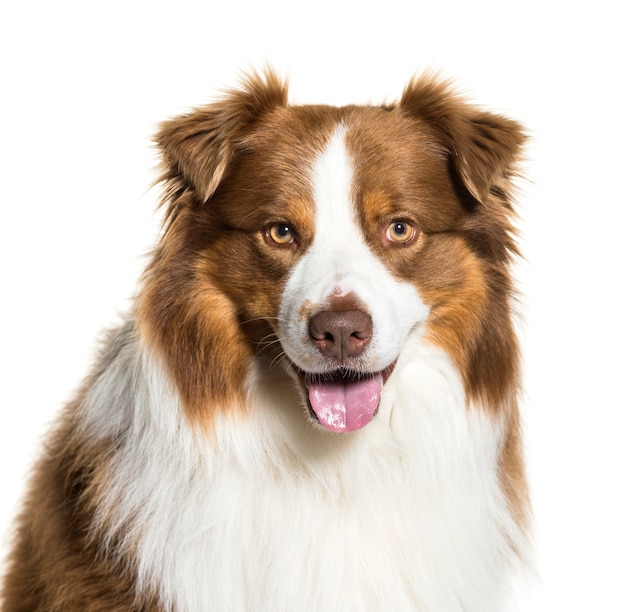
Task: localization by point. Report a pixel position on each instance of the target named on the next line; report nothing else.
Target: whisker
(274, 363)
(267, 342)
(265, 318)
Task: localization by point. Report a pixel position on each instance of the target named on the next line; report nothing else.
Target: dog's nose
(340, 334)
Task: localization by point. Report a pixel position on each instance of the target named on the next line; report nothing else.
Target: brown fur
(57, 563)
(230, 169)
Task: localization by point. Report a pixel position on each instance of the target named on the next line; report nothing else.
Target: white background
(84, 84)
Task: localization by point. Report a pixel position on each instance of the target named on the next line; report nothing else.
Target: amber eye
(400, 232)
(281, 233)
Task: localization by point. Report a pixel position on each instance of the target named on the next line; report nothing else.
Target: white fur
(406, 514)
(273, 514)
(339, 262)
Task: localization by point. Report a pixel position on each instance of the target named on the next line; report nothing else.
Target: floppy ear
(197, 147)
(484, 148)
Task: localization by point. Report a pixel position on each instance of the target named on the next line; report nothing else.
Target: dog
(313, 403)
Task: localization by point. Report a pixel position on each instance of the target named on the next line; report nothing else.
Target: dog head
(322, 237)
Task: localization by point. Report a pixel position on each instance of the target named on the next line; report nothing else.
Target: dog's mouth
(344, 400)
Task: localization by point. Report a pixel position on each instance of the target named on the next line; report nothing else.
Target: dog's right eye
(281, 234)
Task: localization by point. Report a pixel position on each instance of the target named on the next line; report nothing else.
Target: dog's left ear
(198, 147)
(484, 148)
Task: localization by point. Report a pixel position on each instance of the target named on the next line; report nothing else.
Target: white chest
(273, 514)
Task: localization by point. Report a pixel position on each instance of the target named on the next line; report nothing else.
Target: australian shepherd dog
(313, 402)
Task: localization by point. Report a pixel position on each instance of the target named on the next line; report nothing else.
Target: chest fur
(268, 513)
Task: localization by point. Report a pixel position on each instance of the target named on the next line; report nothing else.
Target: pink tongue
(345, 405)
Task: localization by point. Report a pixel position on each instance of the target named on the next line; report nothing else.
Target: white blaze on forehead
(336, 224)
(339, 262)
(339, 241)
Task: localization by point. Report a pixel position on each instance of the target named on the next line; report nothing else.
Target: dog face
(321, 237)
(344, 317)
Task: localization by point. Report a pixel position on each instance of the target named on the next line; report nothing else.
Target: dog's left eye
(281, 233)
(400, 232)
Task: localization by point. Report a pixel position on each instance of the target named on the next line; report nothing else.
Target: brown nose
(341, 333)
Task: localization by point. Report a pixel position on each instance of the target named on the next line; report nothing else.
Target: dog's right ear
(198, 146)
